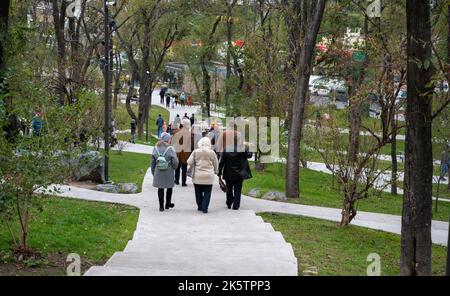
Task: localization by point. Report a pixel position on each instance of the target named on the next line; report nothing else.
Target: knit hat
(165, 137)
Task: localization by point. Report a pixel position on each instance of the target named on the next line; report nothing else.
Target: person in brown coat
(184, 141)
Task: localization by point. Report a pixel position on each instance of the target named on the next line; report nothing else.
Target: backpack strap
(164, 154)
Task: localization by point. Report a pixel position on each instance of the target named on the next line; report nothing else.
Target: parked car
(313, 82)
(442, 87)
(135, 99)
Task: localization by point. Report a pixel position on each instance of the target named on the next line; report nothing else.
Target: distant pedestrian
(159, 124)
(186, 116)
(183, 99)
(168, 101)
(133, 131)
(164, 162)
(190, 101)
(445, 162)
(203, 166)
(162, 94)
(234, 168)
(37, 124)
(192, 119)
(177, 122)
(114, 140)
(213, 135)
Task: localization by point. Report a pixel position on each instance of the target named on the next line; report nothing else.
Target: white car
(313, 82)
(442, 87)
(326, 86)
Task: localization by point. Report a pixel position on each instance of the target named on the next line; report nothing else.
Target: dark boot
(169, 204)
(161, 199)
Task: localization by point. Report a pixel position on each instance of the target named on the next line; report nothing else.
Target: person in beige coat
(203, 166)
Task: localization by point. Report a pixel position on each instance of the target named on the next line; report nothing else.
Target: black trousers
(203, 196)
(234, 192)
(168, 197)
(183, 169)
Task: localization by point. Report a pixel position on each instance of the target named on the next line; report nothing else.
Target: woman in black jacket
(234, 168)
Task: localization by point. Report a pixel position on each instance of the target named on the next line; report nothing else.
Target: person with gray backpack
(164, 163)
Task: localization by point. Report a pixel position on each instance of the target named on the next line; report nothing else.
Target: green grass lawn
(126, 137)
(123, 118)
(316, 189)
(443, 192)
(128, 167)
(93, 230)
(343, 250)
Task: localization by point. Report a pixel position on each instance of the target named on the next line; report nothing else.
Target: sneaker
(184, 185)
(177, 183)
(205, 212)
(161, 209)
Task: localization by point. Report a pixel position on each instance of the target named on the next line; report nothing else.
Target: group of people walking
(187, 154)
(172, 101)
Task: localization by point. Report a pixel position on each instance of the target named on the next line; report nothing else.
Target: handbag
(222, 185)
(191, 168)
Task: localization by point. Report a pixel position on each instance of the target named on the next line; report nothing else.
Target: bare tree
(77, 41)
(147, 41)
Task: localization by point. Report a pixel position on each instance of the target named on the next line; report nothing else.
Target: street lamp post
(107, 89)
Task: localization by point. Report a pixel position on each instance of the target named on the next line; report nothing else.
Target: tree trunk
(448, 43)
(205, 58)
(117, 75)
(417, 202)
(229, 44)
(24, 230)
(350, 197)
(302, 84)
(145, 100)
(356, 109)
(394, 175)
(59, 16)
(4, 13)
(206, 89)
(355, 131)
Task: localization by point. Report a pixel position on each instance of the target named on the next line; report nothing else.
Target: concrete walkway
(183, 241)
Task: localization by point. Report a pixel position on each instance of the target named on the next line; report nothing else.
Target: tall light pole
(107, 88)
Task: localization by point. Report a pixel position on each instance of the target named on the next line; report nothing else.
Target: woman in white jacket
(204, 166)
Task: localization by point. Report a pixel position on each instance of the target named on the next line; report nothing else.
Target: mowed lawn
(93, 230)
(123, 119)
(317, 189)
(128, 167)
(331, 250)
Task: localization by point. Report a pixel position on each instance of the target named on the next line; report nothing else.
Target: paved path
(177, 110)
(183, 241)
